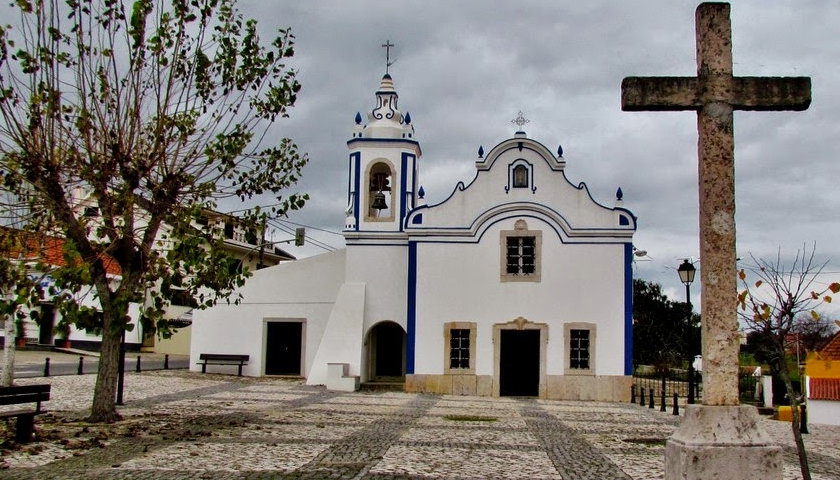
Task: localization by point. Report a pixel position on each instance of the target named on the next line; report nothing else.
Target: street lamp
(686, 272)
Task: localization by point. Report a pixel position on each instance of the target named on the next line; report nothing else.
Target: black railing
(673, 383)
(666, 382)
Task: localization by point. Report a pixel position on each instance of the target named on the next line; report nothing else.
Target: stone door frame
(519, 323)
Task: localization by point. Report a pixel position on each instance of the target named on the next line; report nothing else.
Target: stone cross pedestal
(719, 439)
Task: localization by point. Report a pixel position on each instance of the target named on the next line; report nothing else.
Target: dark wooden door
(283, 348)
(519, 363)
(47, 324)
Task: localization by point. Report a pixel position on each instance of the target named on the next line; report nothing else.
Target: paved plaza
(182, 425)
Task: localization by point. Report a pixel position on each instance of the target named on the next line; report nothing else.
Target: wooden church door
(283, 348)
(519, 363)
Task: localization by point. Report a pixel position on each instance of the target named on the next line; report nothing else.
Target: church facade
(518, 284)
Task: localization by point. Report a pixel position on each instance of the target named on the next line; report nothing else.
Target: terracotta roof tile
(50, 250)
(824, 389)
(831, 351)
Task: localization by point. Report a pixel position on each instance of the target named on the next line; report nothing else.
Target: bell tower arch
(379, 177)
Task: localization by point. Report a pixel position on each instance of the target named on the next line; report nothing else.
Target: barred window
(521, 255)
(459, 348)
(579, 349)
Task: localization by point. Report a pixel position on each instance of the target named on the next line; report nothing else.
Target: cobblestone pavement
(182, 425)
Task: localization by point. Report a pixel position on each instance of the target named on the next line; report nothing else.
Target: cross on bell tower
(387, 46)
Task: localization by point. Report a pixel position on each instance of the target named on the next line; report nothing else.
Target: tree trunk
(7, 376)
(104, 407)
(797, 435)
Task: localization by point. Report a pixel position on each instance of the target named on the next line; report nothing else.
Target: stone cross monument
(719, 439)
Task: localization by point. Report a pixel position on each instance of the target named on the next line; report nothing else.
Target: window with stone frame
(459, 338)
(459, 348)
(520, 254)
(580, 348)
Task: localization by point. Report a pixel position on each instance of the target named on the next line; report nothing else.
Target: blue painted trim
(622, 209)
(355, 161)
(360, 243)
(521, 208)
(382, 140)
(404, 186)
(520, 144)
(628, 309)
(541, 151)
(411, 314)
(529, 167)
(459, 187)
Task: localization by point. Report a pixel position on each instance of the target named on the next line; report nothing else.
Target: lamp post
(686, 272)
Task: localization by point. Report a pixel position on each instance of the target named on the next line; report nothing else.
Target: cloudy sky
(464, 69)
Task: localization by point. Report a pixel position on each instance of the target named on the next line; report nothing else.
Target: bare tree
(812, 333)
(771, 307)
(125, 122)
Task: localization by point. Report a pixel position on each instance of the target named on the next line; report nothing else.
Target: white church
(518, 284)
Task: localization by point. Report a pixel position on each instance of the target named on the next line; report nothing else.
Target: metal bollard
(47, 367)
(691, 382)
(166, 362)
(642, 396)
(81, 370)
(138, 364)
(803, 419)
(676, 404)
(632, 394)
(650, 393)
(662, 401)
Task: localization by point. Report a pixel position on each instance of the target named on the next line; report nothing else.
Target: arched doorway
(386, 352)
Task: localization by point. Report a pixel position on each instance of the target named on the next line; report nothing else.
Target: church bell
(379, 201)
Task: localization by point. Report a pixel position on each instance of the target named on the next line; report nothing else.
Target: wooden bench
(17, 395)
(222, 359)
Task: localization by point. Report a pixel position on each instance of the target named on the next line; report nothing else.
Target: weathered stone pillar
(719, 439)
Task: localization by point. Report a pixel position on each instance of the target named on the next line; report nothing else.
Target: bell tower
(382, 166)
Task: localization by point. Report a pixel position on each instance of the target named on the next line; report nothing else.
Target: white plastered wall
(300, 290)
(383, 269)
(824, 411)
(461, 282)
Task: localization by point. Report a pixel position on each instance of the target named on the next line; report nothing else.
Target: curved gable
(521, 177)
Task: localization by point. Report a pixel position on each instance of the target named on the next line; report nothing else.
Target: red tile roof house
(822, 383)
(49, 250)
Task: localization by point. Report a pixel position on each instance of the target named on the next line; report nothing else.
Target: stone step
(382, 387)
(339, 380)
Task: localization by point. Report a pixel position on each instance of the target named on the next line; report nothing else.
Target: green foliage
(665, 333)
(152, 112)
